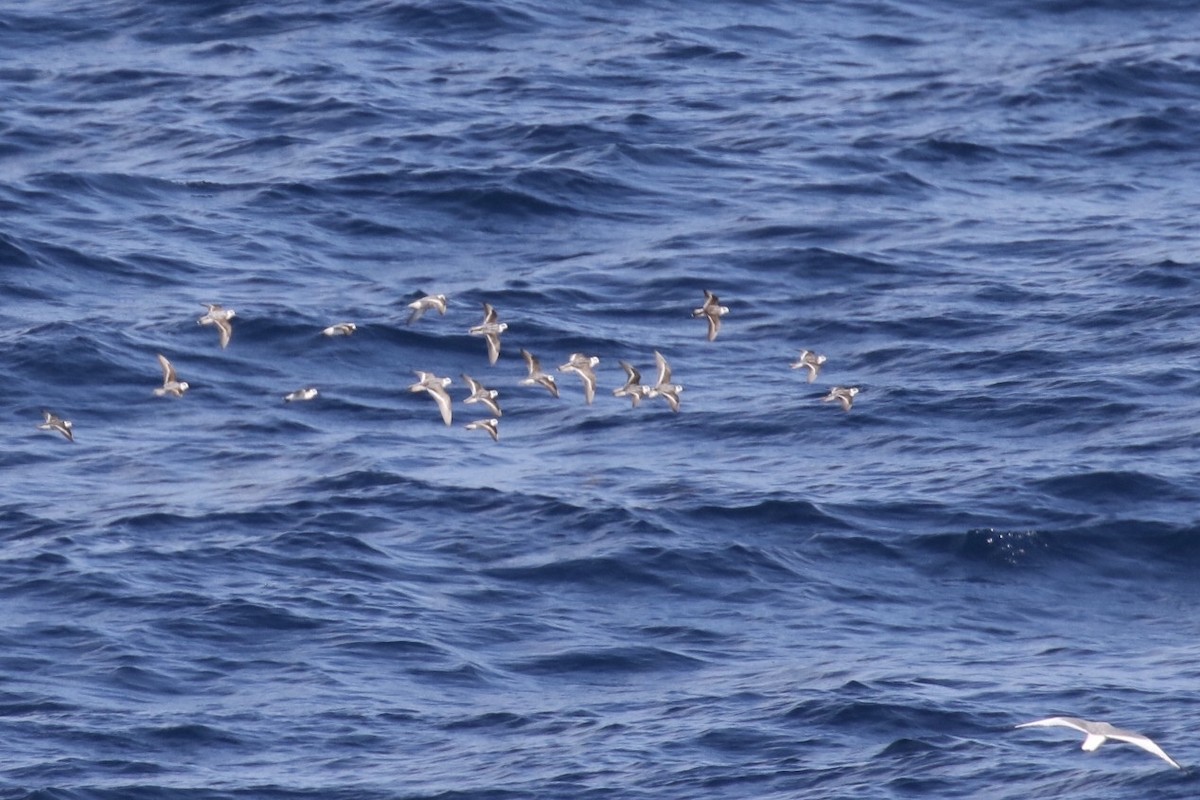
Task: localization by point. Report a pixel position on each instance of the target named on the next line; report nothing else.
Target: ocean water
(984, 217)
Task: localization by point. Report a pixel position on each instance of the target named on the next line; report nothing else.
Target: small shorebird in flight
(490, 329)
(662, 385)
(583, 366)
(216, 315)
(55, 423)
(481, 394)
(633, 388)
(712, 310)
(421, 305)
(810, 361)
(307, 393)
(536, 376)
(841, 394)
(171, 383)
(436, 387)
(492, 426)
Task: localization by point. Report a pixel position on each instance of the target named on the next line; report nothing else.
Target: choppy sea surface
(985, 217)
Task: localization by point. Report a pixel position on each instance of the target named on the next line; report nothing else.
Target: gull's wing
(489, 314)
(493, 343)
(1143, 742)
(1081, 725)
(472, 384)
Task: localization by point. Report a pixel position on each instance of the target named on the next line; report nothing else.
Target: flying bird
(481, 394)
(1097, 733)
(492, 426)
(810, 361)
(662, 385)
(490, 329)
(536, 376)
(171, 383)
(633, 388)
(218, 316)
(712, 310)
(436, 387)
(843, 395)
(421, 305)
(55, 423)
(583, 366)
(307, 393)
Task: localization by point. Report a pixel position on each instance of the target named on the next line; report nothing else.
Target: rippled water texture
(984, 218)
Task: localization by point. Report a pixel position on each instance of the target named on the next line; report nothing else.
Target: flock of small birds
(490, 329)
(582, 365)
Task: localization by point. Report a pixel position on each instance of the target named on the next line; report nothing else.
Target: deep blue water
(984, 218)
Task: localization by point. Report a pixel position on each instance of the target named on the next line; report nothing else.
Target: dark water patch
(77, 270)
(905, 747)
(493, 721)
(675, 49)
(15, 705)
(1167, 275)
(893, 183)
(857, 548)
(946, 150)
(605, 664)
(257, 618)
(596, 572)
(122, 83)
(396, 651)
(455, 673)
(1120, 546)
(745, 741)
(948, 325)
(681, 635)
(544, 138)
(1010, 548)
(1113, 488)
(13, 256)
(129, 679)
(880, 717)
(452, 18)
(260, 145)
(177, 24)
(820, 264)
(164, 522)
(490, 198)
(17, 524)
(41, 30)
(222, 50)
(798, 233)
(1122, 78)
(765, 515)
